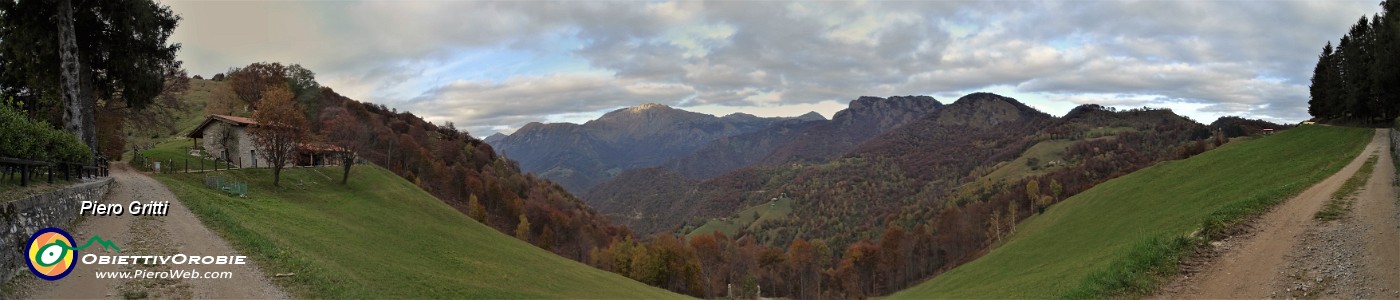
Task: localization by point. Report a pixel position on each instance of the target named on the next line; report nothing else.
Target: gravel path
(1286, 253)
(1356, 256)
(178, 232)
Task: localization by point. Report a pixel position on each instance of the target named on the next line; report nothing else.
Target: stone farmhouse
(226, 138)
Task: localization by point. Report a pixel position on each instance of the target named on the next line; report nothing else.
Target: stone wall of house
(213, 140)
(245, 140)
(237, 151)
(19, 219)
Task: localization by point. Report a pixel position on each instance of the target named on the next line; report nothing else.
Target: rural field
(380, 236)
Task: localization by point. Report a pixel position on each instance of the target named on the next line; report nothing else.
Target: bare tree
(349, 134)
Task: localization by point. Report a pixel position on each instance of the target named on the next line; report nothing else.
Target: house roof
(319, 147)
(236, 119)
(198, 131)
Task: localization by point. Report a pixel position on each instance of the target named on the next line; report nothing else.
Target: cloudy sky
(494, 66)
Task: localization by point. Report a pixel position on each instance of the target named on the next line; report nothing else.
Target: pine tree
(1323, 101)
(1359, 80)
(1387, 68)
(1355, 70)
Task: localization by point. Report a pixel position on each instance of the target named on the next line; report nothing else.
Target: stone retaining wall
(21, 218)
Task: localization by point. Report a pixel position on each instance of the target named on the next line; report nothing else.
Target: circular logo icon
(50, 253)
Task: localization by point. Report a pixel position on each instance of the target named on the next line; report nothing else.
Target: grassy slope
(201, 90)
(745, 218)
(1055, 254)
(1016, 169)
(382, 237)
(176, 150)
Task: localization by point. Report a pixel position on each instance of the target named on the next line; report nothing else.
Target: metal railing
(232, 187)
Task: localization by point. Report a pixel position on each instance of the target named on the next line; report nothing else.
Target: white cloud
(497, 65)
(518, 100)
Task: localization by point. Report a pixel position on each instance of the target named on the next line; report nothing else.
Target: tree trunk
(277, 176)
(77, 108)
(349, 160)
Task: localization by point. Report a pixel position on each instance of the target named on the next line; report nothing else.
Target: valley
(700, 149)
(953, 182)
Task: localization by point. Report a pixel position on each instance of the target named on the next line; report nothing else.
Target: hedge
(23, 138)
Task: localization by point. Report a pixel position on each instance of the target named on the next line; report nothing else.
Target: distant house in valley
(226, 138)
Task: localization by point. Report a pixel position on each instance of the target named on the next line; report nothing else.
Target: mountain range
(940, 183)
(579, 156)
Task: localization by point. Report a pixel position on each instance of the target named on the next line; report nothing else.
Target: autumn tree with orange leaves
(281, 126)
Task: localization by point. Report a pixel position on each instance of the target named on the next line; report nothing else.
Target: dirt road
(179, 232)
(1288, 253)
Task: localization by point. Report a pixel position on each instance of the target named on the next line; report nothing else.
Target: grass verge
(1122, 237)
(1340, 203)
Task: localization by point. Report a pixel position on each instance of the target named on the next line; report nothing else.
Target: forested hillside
(451, 165)
(865, 118)
(907, 204)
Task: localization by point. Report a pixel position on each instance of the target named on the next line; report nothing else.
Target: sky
(493, 66)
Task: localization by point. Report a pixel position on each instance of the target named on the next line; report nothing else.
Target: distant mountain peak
(739, 116)
(647, 106)
(867, 106)
(983, 109)
(811, 116)
(578, 156)
(492, 139)
(1087, 110)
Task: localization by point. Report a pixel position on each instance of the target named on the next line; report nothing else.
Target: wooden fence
(29, 169)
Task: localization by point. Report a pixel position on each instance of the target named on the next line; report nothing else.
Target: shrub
(37, 140)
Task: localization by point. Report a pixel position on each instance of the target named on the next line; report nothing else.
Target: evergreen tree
(1355, 64)
(1359, 80)
(1387, 63)
(100, 50)
(1323, 98)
